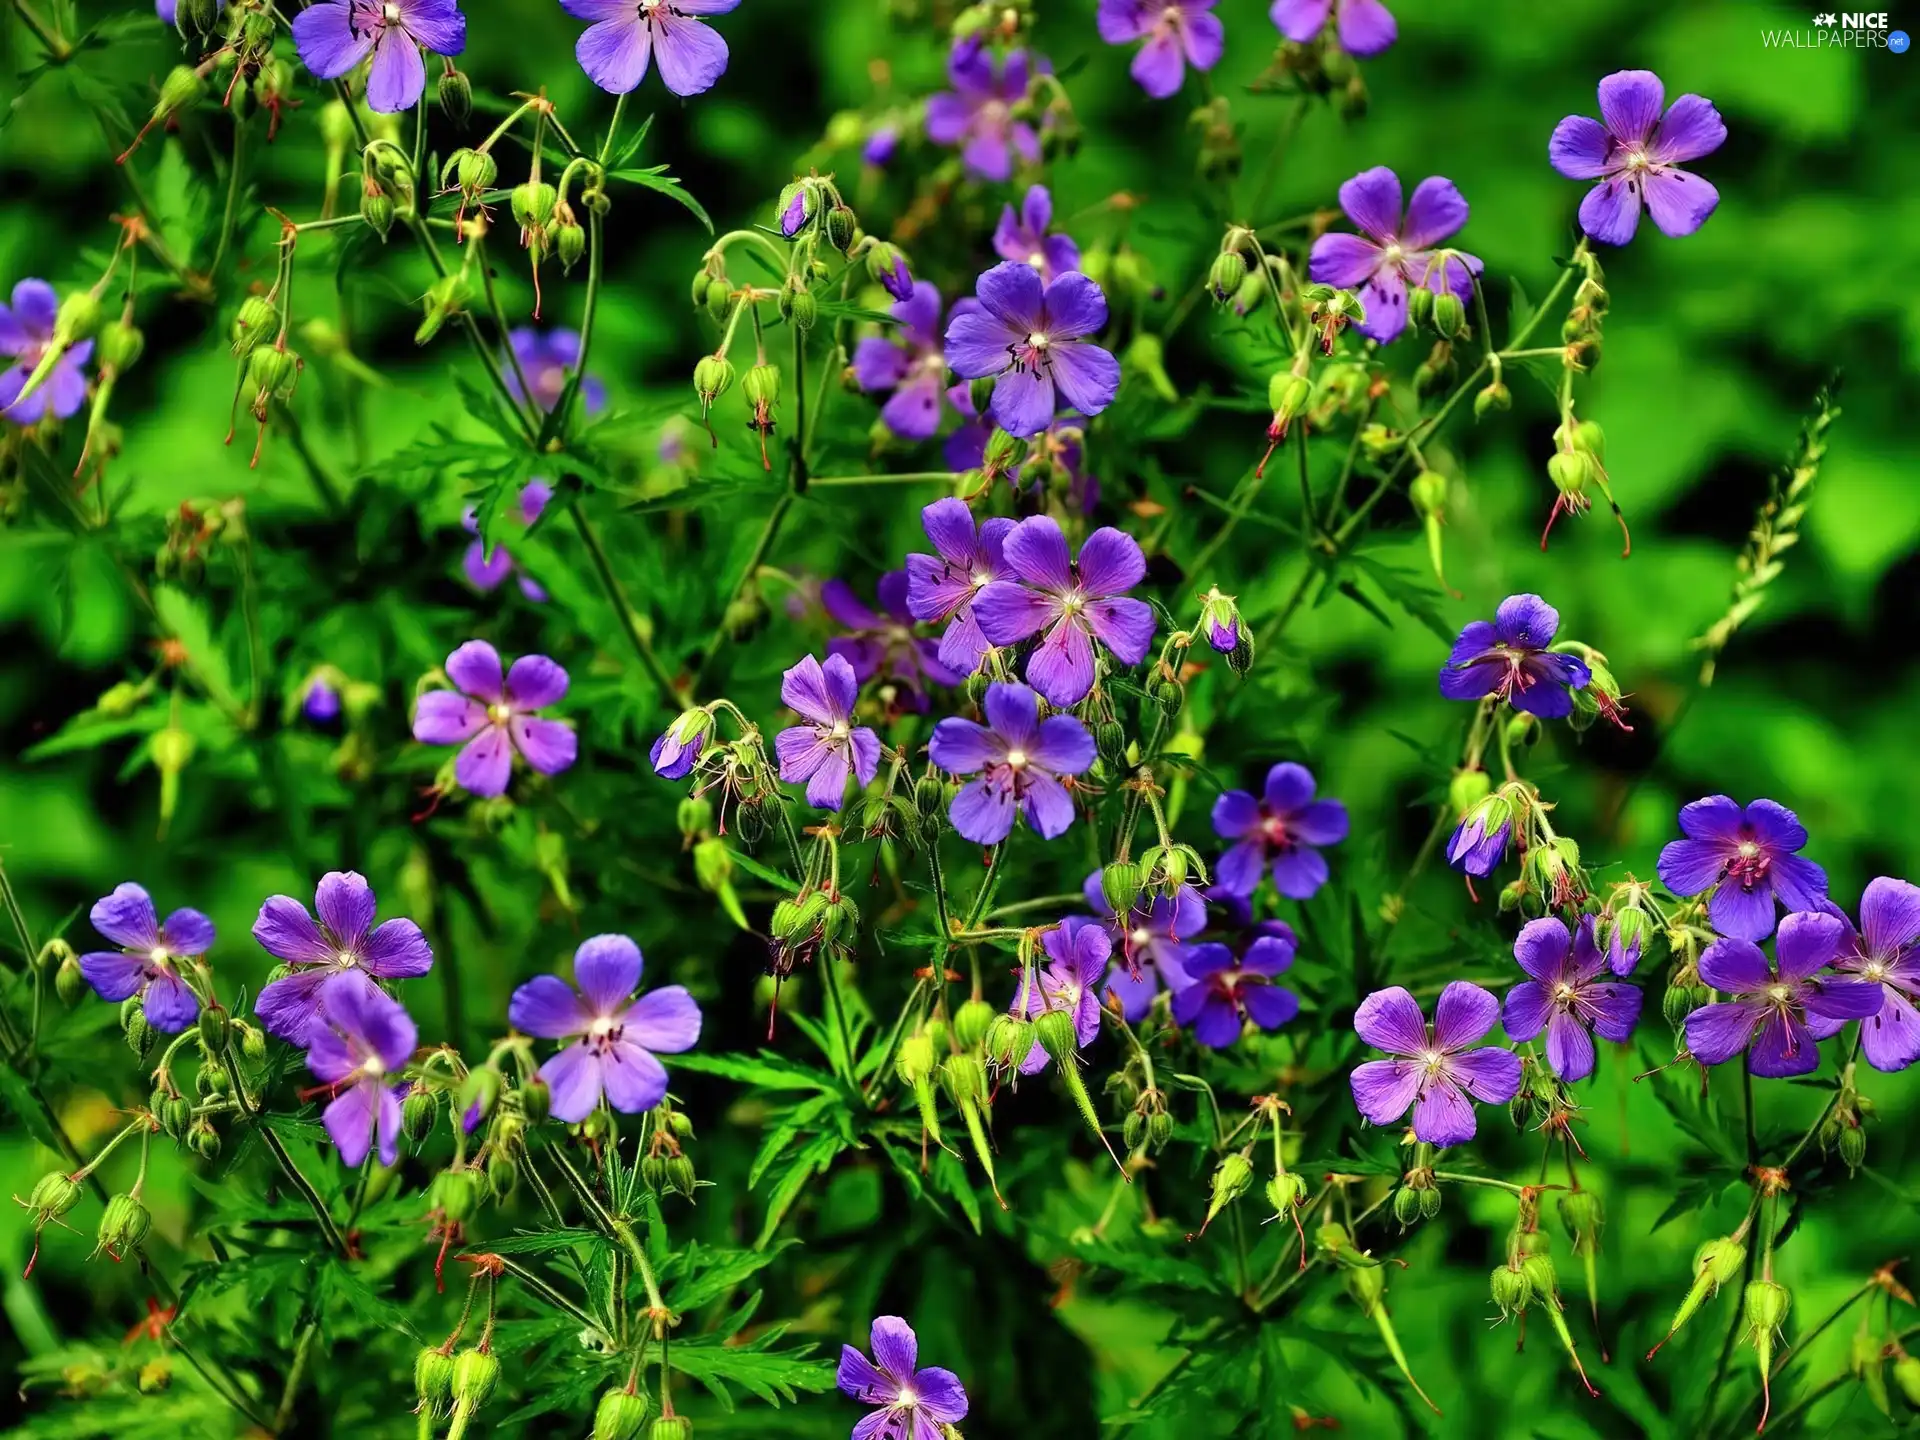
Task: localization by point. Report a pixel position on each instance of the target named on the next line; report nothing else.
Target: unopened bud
(970, 1023)
(1449, 316)
(761, 385)
(533, 204)
(1120, 886)
(1231, 1178)
(475, 1373)
(1228, 274)
(456, 96)
(1512, 1291)
(123, 1225)
(619, 1415)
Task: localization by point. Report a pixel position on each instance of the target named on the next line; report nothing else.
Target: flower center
(1037, 341)
(1563, 992)
(499, 713)
(1273, 830)
(373, 1066)
(840, 730)
(390, 13)
(1037, 260)
(1638, 161)
(1016, 759)
(1140, 936)
(158, 955)
(1393, 254)
(982, 577)
(1074, 601)
(346, 960)
(1433, 1060)
(1874, 970)
(1750, 864)
(1779, 994)
(908, 1398)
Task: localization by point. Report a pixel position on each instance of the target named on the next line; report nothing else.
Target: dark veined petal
(1463, 1015)
(1390, 1020)
(1383, 1090)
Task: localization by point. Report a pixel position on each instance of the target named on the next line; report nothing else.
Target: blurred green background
(1714, 347)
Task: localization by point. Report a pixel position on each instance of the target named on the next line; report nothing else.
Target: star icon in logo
(1826, 19)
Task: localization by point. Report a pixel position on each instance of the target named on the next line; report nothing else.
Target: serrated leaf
(714, 1273)
(783, 1134)
(775, 1376)
(656, 178)
(813, 1159)
(184, 618)
(546, 1242)
(772, 1071)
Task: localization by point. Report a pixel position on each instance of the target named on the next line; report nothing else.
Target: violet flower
(1019, 758)
(148, 961)
(26, 330)
(333, 36)
(1022, 236)
(908, 362)
(618, 1036)
(320, 702)
(878, 151)
(1153, 939)
(1747, 857)
(484, 571)
(1282, 829)
(366, 1037)
(1565, 997)
(493, 718)
(1059, 445)
(342, 951)
(545, 357)
(1077, 953)
(1365, 27)
(677, 748)
(1178, 33)
(1225, 992)
(627, 35)
(1886, 951)
(1438, 1070)
(1392, 254)
(1073, 603)
(1032, 335)
(1479, 842)
(1768, 1016)
(1509, 658)
(914, 1404)
(977, 114)
(1636, 156)
(829, 744)
(884, 643)
(943, 586)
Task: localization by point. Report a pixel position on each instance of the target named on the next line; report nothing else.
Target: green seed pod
(915, 1060)
(1055, 1031)
(1110, 739)
(671, 1427)
(761, 385)
(481, 1090)
(1009, 1038)
(180, 89)
(456, 96)
(1853, 1147)
(70, 982)
(213, 1030)
(570, 244)
(803, 310)
(457, 1193)
(1419, 305)
(533, 204)
(1428, 491)
(475, 1373)
(680, 1176)
(965, 1079)
(1133, 1130)
(653, 1170)
(536, 1101)
(53, 1195)
(255, 321)
(970, 1023)
(433, 1380)
(133, 1024)
(502, 1174)
(1406, 1206)
(1120, 886)
(1511, 1289)
(1450, 316)
(477, 171)
(175, 1113)
(123, 1225)
(1580, 1212)
(1676, 1004)
(204, 1139)
(1568, 471)
(418, 1112)
(619, 1415)
(1495, 399)
(376, 208)
(120, 346)
(1765, 1306)
(1429, 1203)
(1906, 1375)
(1231, 1178)
(930, 795)
(1159, 1128)
(1171, 696)
(1229, 272)
(269, 368)
(1538, 1268)
(719, 298)
(1286, 1191)
(253, 1045)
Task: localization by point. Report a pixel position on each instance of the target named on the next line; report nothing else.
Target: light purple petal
(1569, 1048)
(804, 689)
(345, 904)
(1464, 1014)
(290, 1006)
(1023, 401)
(615, 54)
(962, 747)
(634, 1081)
(573, 1082)
(1610, 213)
(1687, 867)
(1047, 806)
(1742, 913)
(983, 812)
(1735, 966)
(1061, 666)
(1541, 949)
(1366, 27)
(607, 969)
(1443, 1115)
(1235, 813)
(534, 683)
(475, 669)
(1063, 746)
(547, 745)
(1390, 1020)
(485, 765)
(398, 76)
(896, 1350)
(692, 56)
(1300, 20)
(1580, 148)
(548, 1007)
(350, 1117)
(1692, 128)
(1299, 871)
(827, 788)
(1679, 201)
(446, 717)
(857, 1377)
(1490, 1074)
(665, 1020)
(1525, 1014)
(1437, 211)
(287, 932)
(127, 917)
(1372, 201)
(1383, 1090)
(114, 974)
(325, 38)
(1891, 1039)
(1718, 1032)
(1343, 260)
(397, 951)
(1890, 916)
(1807, 943)
(1782, 1047)
(1088, 377)
(1014, 294)
(1630, 103)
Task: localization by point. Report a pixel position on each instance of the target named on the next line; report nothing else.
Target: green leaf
(184, 618)
(800, 1118)
(546, 1242)
(712, 1273)
(656, 178)
(756, 1367)
(760, 872)
(19, 1097)
(813, 1159)
(768, 1070)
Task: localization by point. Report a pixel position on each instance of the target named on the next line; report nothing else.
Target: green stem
(235, 174)
(616, 597)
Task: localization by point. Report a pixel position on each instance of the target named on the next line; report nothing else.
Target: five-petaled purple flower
(626, 35)
(1392, 254)
(1077, 953)
(1437, 1070)
(1019, 758)
(333, 36)
(943, 586)
(1365, 26)
(148, 962)
(1565, 997)
(1884, 950)
(1021, 236)
(1153, 939)
(914, 1404)
(366, 1036)
(1225, 991)
(342, 951)
(492, 718)
(1177, 32)
(545, 357)
(829, 744)
(910, 363)
(885, 642)
(484, 571)
(1508, 657)
(977, 114)
(1768, 1016)
(1749, 855)
(1636, 156)
(1283, 827)
(1073, 603)
(617, 1036)
(1032, 334)
(26, 329)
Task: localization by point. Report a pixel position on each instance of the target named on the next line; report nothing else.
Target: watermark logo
(1841, 30)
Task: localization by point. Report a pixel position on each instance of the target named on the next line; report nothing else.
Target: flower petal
(1630, 103)
(803, 688)
(1690, 129)
(573, 1082)
(1580, 148)
(692, 58)
(114, 974)
(1390, 1020)
(665, 1020)
(1525, 1013)
(549, 1007)
(1366, 28)
(1464, 1014)
(633, 1080)
(1716, 1033)
(1299, 871)
(1542, 948)
(615, 54)
(1300, 20)
(397, 951)
(1891, 1039)
(127, 917)
(1610, 213)
(1124, 625)
(1023, 402)
(1436, 211)
(1686, 867)
(1074, 306)
(1443, 1115)
(325, 38)
(350, 1117)
(1063, 746)
(534, 683)
(1490, 1074)
(1384, 1089)
(345, 904)
(1807, 943)
(983, 812)
(1679, 201)
(1372, 201)
(549, 746)
(1569, 1047)
(1061, 666)
(1735, 966)
(446, 717)
(607, 969)
(1088, 377)
(1013, 294)
(1047, 806)
(1783, 1047)
(857, 1378)
(1740, 912)
(475, 669)
(1342, 260)
(290, 1006)
(1890, 916)
(896, 1350)
(398, 76)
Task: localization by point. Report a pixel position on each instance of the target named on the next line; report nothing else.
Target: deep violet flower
(1152, 939)
(878, 151)
(1032, 335)
(823, 750)
(1884, 950)
(320, 702)
(1021, 236)
(1282, 828)
(1055, 450)
(884, 643)
(677, 748)
(1748, 857)
(484, 571)
(977, 113)
(366, 1036)
(1565, 996)
(545, 357)
(627, 35)
(1068, 604)
(1479, 842)
(26, 330)
(148, 961)
(1077, 953)
(942, 587)
(1019, 759)
(909, 362)
(914, 1404)
(1508, 657)
(1636, 154)
(1365, 27)
(493, 718)
(1771, 1005)
(1438, 1071)
(333, 36)
(343, 950)
(1225, 992)
(1178, 33)
(1392, 254)
(616, 1036)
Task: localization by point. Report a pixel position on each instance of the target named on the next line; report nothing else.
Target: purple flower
(320, 702)
(1635, 156)
(484, 571)
(333, 36)
(618, 1035)
(674, 754)
(1022, 237)
(1509, 658)
(798, 211)
(1437, 1070)
(1226, 992)
(1019, 758)
(1032, 335)
(1565, 998)
(627, 34)
(977, 113)
(942, 587)
(1077, 954)
(365, 1038)
(493, 718)
(909, 362)
(545, 357)
(1748, 855)
(1773, 1004)
(886, 642)
(1073, 603)
(1479, 842)
(823, 750)
(148, 962)
(1177, 32)
(1391, 253)
(914, 1404)
(1365, 26)
(1886, 951)
(881, 145)
(1152, 939)
(26, 330)
(1283, 828)
(343, 946)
